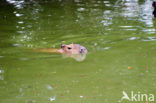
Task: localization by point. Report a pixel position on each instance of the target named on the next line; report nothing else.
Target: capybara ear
(62, 45)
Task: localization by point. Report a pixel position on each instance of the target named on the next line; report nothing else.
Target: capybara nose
(83, 50)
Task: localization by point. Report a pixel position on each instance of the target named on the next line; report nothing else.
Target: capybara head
(73, 49)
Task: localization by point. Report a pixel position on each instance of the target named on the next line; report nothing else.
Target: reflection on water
(143, 39)
(133, 38)
(146, 14)
(17, 4)
(1, 74)
(130, 8)
(149, 39)
(77, 57)
(92, 15)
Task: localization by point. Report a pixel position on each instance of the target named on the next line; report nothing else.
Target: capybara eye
(69, 48)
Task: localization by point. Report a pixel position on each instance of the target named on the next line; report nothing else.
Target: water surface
(119, 35)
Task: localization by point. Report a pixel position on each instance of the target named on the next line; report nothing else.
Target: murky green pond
(120, 37)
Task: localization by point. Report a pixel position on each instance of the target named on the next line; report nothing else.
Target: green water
(117, 34)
